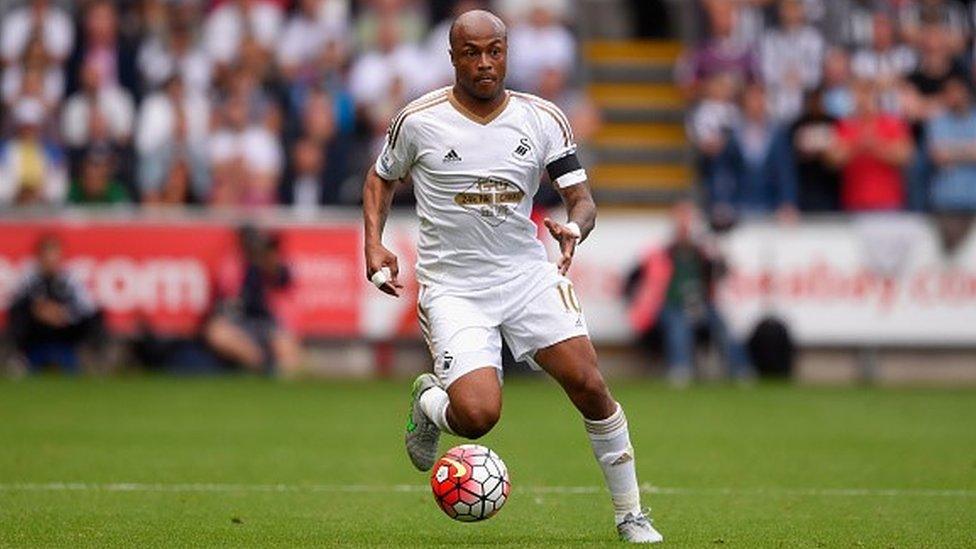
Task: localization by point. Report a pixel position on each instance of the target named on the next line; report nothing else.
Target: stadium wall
(875, 281)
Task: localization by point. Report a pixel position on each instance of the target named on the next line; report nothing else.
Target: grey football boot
(422, 433)
(637, 528)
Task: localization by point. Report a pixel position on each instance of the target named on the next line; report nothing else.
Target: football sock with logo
(434, 402)
(611, 447)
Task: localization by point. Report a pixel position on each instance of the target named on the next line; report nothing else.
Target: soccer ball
(470, 483)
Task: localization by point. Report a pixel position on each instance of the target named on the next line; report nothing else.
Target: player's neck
(476, 105)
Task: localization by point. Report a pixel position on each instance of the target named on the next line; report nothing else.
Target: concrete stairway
(641, 151)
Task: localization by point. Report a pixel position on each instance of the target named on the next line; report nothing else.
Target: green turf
(735, 466)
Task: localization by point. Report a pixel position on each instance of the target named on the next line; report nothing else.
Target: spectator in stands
(515, 10)
(176, 52)
(32, 168)
(720, 53)
(383, 80)
(307, 184)
(921, 101)
(812, 136)
(36, 76)
(792, 59)
(677, 291)
(41, 20)
(396, 67)
(233, 22)
(173, 129)
(408, 17)
(838, 98)
(936, 66)
(918, 17)
(51, 314)
(98, 112)
(539, 44)
(177, 187)
(750, 16)
(96, 185)
(101, 48)
(314, 75)
(756, 173)
(317, 28)
(710, 127)
(886, 62)
(871, 150)
(327, 122)
(584, 116)
(245, 157)
(243, 327)
(952, 144)
(850, 23)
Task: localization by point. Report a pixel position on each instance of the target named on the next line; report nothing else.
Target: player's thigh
(571, 362)
(551, 314)
(550, 333)
(461, 336)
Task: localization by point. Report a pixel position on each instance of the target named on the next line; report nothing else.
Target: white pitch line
(420, 488)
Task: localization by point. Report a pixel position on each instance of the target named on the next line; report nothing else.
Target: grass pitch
(248, 462)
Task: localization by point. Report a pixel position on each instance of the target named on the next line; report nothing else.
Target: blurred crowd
(231, 102)
(833, 105)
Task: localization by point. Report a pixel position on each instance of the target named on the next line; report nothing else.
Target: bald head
(476, 25)
(479, 45)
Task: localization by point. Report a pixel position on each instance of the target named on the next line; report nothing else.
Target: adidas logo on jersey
(452, 156)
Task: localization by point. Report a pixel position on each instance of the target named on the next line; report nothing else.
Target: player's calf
(573, 364)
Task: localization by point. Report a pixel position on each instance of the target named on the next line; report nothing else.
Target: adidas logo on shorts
(452, 156)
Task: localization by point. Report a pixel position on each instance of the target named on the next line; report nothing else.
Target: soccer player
(475, 152)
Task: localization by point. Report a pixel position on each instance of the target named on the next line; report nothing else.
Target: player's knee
(477, 421)
(590, 384)
(591, 396)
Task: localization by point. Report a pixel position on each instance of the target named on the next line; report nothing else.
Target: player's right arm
(391, 167)
(377, 199)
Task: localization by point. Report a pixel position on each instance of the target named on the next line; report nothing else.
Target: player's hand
(567, 243)
(378, 258)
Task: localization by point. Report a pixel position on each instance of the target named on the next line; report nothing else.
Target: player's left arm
(567, 174)
(580, 221)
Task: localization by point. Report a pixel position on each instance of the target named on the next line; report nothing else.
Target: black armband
(562, 166)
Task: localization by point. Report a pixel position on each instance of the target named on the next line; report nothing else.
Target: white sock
(611, 447)
(434, 403)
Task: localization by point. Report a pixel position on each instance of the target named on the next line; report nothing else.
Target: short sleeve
(397, 156)
(559, 146)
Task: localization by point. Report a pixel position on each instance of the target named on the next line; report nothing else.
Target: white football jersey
(474, 179)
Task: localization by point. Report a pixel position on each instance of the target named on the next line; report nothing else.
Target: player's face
(480, 66)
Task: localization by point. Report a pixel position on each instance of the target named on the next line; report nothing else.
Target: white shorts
(464, 331)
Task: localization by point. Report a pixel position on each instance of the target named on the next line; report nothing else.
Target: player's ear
(450, 52)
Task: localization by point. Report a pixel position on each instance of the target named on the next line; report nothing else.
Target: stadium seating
(641, 149)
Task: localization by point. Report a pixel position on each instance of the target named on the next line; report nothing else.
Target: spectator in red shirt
(871, 148)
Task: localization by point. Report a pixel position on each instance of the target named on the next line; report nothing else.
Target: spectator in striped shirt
(791, 58)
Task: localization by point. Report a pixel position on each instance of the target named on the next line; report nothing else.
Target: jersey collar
(483, 120)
